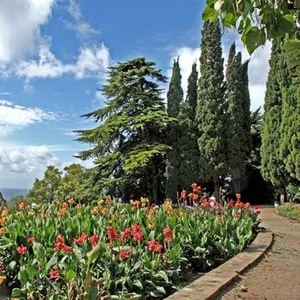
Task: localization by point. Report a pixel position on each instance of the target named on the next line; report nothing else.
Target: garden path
(276, 277)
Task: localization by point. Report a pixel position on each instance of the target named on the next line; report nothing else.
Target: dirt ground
(277, 276)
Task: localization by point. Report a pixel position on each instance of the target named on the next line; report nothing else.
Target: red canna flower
(22, 250)
(155, 246)
(169, 234)
(122, 254)
(30, 239)
(94, 239)
(194, 186)
(59, 239)
(183, 194)
(138, 236)
(81, 239)
(231, 202)
(112, 233)
(136, 228)
(54, 273)
(126, 234)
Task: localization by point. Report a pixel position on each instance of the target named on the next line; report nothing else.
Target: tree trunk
(282, 196)
(154, 185)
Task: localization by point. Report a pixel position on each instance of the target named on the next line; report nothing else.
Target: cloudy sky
(54, 56)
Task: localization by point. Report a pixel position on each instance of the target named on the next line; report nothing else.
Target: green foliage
(45, 190)
(272, 165)
(238, 116)
(256, 21)
(174, 99)
(67, 251)
(129, 143)
(189, 159)
(210, 112)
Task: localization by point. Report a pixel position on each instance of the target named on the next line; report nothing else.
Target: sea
(9, 193)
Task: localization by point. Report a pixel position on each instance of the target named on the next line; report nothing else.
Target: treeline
(143, 146)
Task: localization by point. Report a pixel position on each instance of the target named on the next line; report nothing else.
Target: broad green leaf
(163, 275)
(70, 274)
(209, 14)
(17, 293)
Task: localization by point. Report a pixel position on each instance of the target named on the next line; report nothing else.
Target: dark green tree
(189, 168)
(129, 143)
(174, 99)
(238, 118)
(272, 164)
(175, 92)
(290, 126)
(210, 112)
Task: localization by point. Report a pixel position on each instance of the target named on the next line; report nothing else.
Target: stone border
(212, 283)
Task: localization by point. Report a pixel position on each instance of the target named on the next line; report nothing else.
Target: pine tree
(129, 143)
(210, 107)
(174, 98)
(189, 168)
(237, 136)
(272, 164)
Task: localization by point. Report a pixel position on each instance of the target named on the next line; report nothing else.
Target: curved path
(277, 276)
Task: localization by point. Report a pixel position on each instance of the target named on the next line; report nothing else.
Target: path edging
(212, 283)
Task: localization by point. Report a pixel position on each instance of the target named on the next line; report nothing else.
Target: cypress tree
(238, 129)
(174, 98)
(129, 142)
(272, 164)
(210, 107)
(175, 92)
(189, 168)
(290, 127)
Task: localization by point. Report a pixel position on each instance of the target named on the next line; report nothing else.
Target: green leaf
(39, 251)
(161, 290)
(70, 274)
(163, 275)
(16, 293)
(138, 284)
(51, 262)
(209, 14)
(31, 270)
(93, 255)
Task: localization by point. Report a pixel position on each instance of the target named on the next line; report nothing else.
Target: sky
(54, 56)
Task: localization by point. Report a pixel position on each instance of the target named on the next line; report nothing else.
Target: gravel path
(277, 276)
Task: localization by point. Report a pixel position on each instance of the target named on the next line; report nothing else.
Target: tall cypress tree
(210, 107)
(189, 168)
(290, 126)
(175, 92)
(236, 131)
(272, 164)
(174, 98)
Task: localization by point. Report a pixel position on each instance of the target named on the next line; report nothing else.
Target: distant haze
(9, 193)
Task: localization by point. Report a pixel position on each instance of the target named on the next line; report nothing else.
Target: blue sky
(54, 56)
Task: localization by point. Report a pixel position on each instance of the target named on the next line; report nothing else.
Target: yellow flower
(3, 230)
(100, 202)
(2, 278)
(181, 214)
(150, 226)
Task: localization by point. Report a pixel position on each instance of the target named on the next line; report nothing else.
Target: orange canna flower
(22, 205)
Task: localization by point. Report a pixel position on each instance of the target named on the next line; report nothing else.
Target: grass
(290, 210)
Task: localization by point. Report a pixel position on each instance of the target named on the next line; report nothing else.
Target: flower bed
(108, 250)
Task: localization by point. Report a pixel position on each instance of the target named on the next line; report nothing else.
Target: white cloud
(22, 165)
(91, 61)
(82, 29)
(14, 117)
(258, 72)
(20, 22)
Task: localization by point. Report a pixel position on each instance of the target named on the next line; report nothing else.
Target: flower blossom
(22, 249)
